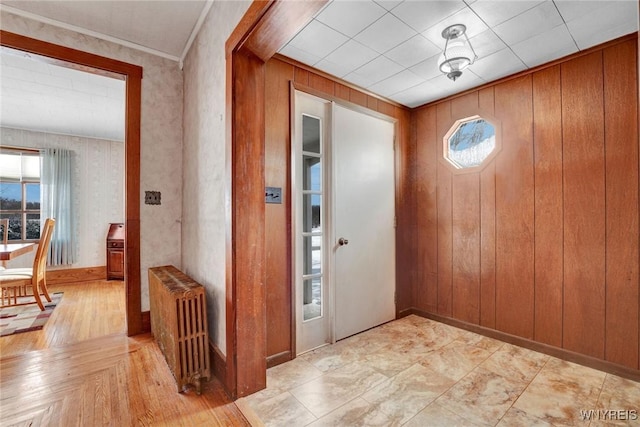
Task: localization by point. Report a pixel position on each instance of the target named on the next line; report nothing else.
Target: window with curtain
(56, 181)
(20, 193)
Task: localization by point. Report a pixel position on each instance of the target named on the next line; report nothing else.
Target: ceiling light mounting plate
(454, 31)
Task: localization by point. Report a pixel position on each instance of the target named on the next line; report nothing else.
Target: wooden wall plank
(584, 205)
(321, 83)
(372, 103)
(444, 211)
(358, 97)
(406, 239)
(466, 228)
(426, 287)
(621, 153)
(515, 209)
(278, 216)
(487, 227)
(547, 110)
(466, 247)
(301, 76)
(341, 91)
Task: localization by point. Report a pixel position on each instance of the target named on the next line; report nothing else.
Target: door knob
(342, 241)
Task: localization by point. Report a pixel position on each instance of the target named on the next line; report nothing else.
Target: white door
(343, 186)
(363, 188)
(308, 165)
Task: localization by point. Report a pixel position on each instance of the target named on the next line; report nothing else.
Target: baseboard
(75, 275)
(404, 313)
(219, 365)
(279, 358)
(560, 353)
(146, 321)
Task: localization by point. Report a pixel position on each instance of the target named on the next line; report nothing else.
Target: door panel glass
(312, 260)
(311, 213)
(311, 134)
(312, 173)
(312, 298)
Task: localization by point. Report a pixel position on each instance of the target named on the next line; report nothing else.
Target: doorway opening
(132, 75)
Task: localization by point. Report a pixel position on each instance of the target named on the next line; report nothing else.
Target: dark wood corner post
(265, 27)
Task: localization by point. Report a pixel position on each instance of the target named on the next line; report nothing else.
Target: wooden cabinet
(115, 252)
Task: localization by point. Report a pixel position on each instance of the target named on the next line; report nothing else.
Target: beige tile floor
(417, 372)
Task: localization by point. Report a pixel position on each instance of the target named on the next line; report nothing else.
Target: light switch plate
(273, 195)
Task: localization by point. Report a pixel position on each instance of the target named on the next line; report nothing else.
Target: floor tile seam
(319, 417)
(604, 380)
(528, 381)
(525, 389)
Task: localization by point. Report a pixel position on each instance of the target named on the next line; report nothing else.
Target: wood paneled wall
(279, 75)
(543, 242)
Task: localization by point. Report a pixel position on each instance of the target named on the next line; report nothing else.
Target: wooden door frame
(133, 78)
(265, 28)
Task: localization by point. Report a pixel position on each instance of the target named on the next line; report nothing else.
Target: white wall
(98, 188)
(161, 138)
(203, 213)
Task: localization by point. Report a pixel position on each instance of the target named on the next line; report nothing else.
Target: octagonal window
(470, 142)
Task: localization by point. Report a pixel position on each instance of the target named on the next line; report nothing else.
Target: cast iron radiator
(179, 324)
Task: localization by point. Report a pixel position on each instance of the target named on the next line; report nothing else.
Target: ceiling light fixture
(458, 53)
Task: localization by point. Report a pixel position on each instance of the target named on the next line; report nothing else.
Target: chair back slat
(5, 230)
(40, 260)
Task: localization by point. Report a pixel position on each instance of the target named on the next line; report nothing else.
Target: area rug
(25, 318)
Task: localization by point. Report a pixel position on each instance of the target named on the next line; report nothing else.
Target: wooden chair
(5, 237)
(14, 282)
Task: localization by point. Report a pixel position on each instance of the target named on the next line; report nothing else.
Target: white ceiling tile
(546, 47)
(497, 65)
(350, 17)
(417, 95)
(374, 71)
(428, 68)
(445, 86)
(396, 83)
(318, 39)
(333, 68)
(300, 55)
(421, 15)
(595, 27)
(465, 16)
(385, 33)
(535, 21)
(352, 55)
(389, 4)
(486, 43)
(573, 9)
(495, 12)
(413, 51)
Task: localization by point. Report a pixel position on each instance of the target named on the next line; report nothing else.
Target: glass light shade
(457, 56)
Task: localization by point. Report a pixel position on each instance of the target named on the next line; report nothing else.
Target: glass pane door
(312, 209)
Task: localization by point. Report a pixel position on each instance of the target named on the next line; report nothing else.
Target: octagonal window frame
(444, 148)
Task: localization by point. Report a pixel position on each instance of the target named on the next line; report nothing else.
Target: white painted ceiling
(163, 26)
(389, 47)
(36, 94)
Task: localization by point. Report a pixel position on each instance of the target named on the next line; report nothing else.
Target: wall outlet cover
(152, 198)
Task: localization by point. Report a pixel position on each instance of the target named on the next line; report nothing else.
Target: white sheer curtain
(56, 202)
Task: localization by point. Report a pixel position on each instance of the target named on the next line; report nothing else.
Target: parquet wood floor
(72, 374)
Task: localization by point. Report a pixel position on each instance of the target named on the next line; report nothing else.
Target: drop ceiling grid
(391, 48)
